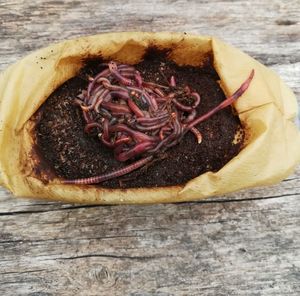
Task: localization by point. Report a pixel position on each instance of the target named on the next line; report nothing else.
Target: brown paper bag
(267, 110)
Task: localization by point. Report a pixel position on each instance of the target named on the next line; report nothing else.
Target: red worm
(243, 87)
(120, 94)
(112, 66)
(91, 125)
(138, 136)
(197, 99)
(225, 103)
(109, 86)
(134, 108)
(138, 78)
(135, 151)
(123, 140)
(172, 81)
(154, 85)
(162, 143)
(122, 79)
(124, 67)
(151, 127)
(155, 122)
(120, 116)
(77, 102)
(114, 71)
(128, 74)
(103, 80)
(181, 106)
(153, 103)
(136, 89)
(104, 73)
(96, 98)
(149, 90)
(92, 95)
(103, 96)
(116, 107)
(105, 128)
(146, 120)
(161, 100)
(86, 117)
(197, 134)
(150, 100)
(162, 131)
(159, 92)
(141, 92)
(123, 171)
(106, 142)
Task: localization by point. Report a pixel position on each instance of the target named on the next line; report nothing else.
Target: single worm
(138, 78)
(101, 98)
(134, 108)
(114, 71)
(244, 86)
(151, 127)
(138, 136)
(181, 106)
(91, 125)
(197, 99)
(172, 81)
(135, 151)
(116, 107)
(121, 172)
(197, 134)
(104, 73)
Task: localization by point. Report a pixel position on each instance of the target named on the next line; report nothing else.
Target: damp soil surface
(72, 153)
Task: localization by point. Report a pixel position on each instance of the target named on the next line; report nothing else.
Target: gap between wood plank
(137, 258)
(176, 204)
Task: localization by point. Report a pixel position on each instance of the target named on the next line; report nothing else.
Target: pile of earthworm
(139, 119)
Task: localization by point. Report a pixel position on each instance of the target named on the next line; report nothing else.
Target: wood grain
(247, 243)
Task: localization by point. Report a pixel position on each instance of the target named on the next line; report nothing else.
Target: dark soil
(75, 154)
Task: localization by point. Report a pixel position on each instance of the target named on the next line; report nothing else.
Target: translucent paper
(267, 111)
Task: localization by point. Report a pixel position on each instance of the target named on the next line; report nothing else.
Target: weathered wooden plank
(245, 243)
(228, 248)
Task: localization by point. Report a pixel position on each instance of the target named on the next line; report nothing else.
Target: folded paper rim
(267, 110)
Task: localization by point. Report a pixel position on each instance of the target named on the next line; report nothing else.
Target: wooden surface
(246, 243)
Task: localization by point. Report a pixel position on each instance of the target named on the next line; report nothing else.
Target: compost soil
(72, 153)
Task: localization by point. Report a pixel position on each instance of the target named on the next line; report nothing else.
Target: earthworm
(152, 119)
(138, 78)
(181, 106)
(197, 134)
(135, 151)
(151, 127)
(91, 125)
(225, 103)
(91, 85)
(116, 107)
(197, 99)
(112, 175)
(135, 117)
(134, 108)
(172, 81)
(114, 71)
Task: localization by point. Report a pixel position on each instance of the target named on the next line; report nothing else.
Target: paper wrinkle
(267, 110)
